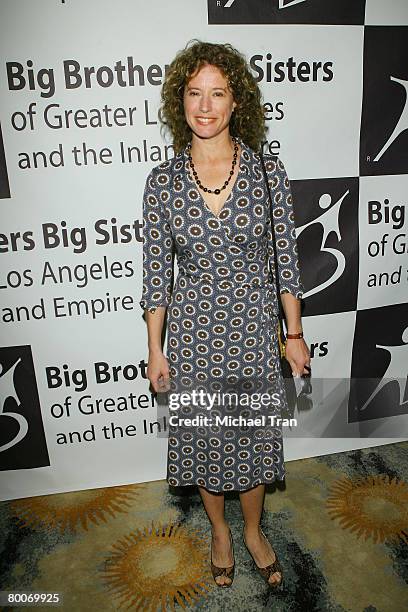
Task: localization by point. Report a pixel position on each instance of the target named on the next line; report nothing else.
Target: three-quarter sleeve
(285, 229)
(157, 249)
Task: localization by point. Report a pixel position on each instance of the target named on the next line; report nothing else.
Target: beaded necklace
(226, 183)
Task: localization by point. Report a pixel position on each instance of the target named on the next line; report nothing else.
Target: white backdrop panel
(393, 12)
(315, 124)
(383, 224)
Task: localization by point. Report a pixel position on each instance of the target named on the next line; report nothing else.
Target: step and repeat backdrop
(80, 90)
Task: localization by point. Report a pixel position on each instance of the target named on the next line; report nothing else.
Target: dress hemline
(195, 484)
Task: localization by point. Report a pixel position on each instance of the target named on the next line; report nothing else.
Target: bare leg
(260, 548)
(221, 547)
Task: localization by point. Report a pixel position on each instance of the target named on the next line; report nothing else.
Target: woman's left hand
(298, 355)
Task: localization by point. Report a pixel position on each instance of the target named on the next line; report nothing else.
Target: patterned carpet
(340, 527)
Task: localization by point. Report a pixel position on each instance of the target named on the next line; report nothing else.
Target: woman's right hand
(158, 371)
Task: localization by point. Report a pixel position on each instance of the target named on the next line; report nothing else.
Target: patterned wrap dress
(222, 317)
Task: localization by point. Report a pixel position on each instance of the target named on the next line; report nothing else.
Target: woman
(209, 205)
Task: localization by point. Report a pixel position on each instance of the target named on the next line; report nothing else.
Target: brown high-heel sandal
(228, 572)
(266, 572)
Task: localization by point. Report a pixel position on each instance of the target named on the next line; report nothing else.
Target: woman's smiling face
(208, 102)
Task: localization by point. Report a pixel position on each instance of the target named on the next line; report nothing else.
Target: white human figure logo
(282, 3)
(329, 221)
(402, 123)
(7, 390)
(399, 355)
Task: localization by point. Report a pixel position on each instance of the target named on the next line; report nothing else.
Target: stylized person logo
(329, 221)
(399, 355)
(283, 4)
(7, 389)
(402, 123)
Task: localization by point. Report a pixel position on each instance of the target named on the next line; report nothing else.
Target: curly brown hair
(248, 120)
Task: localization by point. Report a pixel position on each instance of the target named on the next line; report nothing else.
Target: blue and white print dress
(222, 316)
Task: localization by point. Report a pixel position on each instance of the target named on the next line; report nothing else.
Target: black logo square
(384, 120)
(4, 180)
(336, 12)
(379, 368)
(22, 437)
(326, 213)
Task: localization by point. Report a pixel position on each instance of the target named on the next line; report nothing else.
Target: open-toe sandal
(266, 572)
(224, 571)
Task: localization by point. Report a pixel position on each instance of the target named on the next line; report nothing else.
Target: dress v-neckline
(198, 191)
